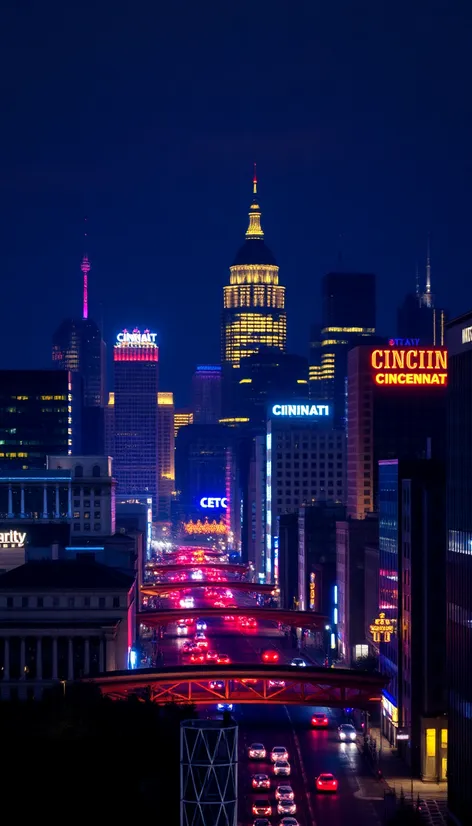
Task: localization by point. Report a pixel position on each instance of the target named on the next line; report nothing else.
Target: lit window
(444, 738)
(430, 742)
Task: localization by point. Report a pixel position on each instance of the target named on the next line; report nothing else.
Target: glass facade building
(206, 394)
(78, 346)
(389, 571)
(459, 567)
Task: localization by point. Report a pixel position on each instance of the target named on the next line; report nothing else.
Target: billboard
(409, 366)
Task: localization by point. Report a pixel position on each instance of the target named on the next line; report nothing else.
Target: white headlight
(353, 736)
(342, 735)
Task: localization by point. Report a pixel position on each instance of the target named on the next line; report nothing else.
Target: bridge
(164, 587)
(297, 619)
(230, 568)
(274, 684)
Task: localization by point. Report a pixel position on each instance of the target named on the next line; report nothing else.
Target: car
(197, 657)
(200, 635)
(252, 623)
(347, 732)
(319, 721)
(286, 807)
(261, 821)
(201, 625)
(181, 629)
(225, 707)
(298, 662)
(219, 604)
(189, 646)
(289, 821)
(202, 644)
(249, 681)
(284, 792)
(260, 781)
(257, 751)
(211, 656)
(282, 768)
(276, 683)
(262, 806)
(223, 659)
(326, 783)
(243, 623)
(216, 685)
(279, 753)
(270, 656)
(229, 618)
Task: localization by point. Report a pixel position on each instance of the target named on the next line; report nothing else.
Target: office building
(300, 460)
(266, 377)
(254, 306)
(40, 413)
(348, 318)
(357, 578)
(206, 394)
(165, 455)
(412, 606)
(109, 425)
(396, 409)
(63, 620)
(135, 358)
(93, 493)
(418, 317)
(182, 418)
(459, 567)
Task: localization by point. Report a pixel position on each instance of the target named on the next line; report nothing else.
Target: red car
(270, 656)
(211, 656)
(223, 659)
(319, 721)
(326, 783)
(202, 644)
(252, 623)
(197, 657)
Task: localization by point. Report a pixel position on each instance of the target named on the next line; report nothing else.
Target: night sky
(147, 117)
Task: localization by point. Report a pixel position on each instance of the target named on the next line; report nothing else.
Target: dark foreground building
(459, 567)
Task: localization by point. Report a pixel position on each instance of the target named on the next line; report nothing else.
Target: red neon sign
(410, 365)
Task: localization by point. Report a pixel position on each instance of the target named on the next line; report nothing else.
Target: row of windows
(87, 514)
(60, 602)
(86, 526)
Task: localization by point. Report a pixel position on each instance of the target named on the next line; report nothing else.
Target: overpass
(230, 568)
(297, 619)
(165, 587)
(273, 684)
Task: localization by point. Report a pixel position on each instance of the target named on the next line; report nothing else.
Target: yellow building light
(382, 628)
(246, 381)
(165, 398)
(302, 381)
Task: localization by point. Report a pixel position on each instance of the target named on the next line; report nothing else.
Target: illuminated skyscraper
(254, 305)
(418, 316)
(165, 454)
(182, 418)
(135, 357)
(206, 394)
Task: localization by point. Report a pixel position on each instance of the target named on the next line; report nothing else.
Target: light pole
(328, 630)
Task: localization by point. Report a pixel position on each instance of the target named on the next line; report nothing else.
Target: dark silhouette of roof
(65, 574)
(254, 251)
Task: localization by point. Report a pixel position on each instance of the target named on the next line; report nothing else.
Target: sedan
(282, 768)
(223, 659)
(197, 657)
(279, 753)
(189, 646)
(203, 644)
(326, 783)
(211, 656)
(252, 623)
(260, 781)
(257, 751)
(319, 721)
(276, 683)
(284, 792)
(181, 629)
(346, 732)
(262, 807)
(225, 707)
(270, 656)
(216, 685)
(286, 807)
(249, 681)
(298, 662)
(201, 625)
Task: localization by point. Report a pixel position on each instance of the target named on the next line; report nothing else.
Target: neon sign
(300, 410)
(13, 539)
(410, 366)
(136, 339)
(466, 335)
(312, 590)
(382, 628)
(404, 342)
(214, 502)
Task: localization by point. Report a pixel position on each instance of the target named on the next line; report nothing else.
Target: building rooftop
(65, 574)
(254, 251)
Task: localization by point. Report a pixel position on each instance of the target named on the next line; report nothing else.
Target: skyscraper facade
(135, 358)
(206, 394)
(165, 454)
(459, 566)
(254, 305)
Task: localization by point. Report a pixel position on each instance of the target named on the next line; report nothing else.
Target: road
(359, 800)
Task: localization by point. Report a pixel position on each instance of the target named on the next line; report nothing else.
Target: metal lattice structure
(237, 585)
(208, 773)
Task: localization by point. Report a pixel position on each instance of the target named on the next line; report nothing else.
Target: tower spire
(428, 300)
(417, 286)
(254, 229)
(85, 267)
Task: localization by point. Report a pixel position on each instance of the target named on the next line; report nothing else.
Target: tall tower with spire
(418, 316)
(254, 316)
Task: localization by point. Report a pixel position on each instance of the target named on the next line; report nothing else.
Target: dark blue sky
(147, 117)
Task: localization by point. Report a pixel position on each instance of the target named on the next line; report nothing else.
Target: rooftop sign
(410, 365)
(300, 410)
(136, 338)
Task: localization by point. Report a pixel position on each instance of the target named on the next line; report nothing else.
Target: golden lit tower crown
(254, 314)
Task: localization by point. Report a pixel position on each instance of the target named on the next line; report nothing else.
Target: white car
(201, 625)
(182, 629)
(347, 732)
(276, 683)
(279, 753)
(286, 807)
(225, 707)
(298, 662)
(284, 792)
(282, 768)
(257, 751)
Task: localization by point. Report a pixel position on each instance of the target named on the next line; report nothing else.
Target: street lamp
(328, 630)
